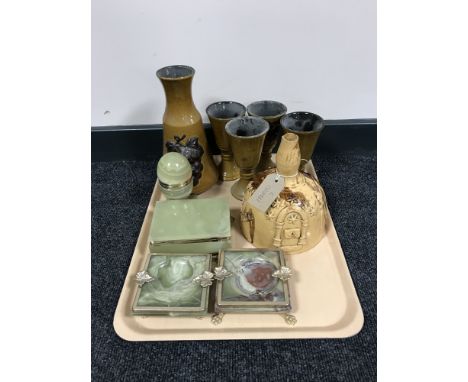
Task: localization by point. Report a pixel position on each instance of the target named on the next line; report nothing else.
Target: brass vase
(183, 128)
(246, 137)
(307, 126)
(220, 113)
(270, 111)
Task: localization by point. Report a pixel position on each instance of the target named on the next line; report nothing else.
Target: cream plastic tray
(323, 297)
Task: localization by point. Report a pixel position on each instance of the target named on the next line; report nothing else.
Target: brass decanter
(296, 219)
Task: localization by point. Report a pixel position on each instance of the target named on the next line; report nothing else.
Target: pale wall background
(313, 55)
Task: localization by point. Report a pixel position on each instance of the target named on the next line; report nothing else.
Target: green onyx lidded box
(191, 226)
(173, 284)
(253, 281)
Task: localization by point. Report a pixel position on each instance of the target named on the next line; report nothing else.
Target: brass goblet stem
(228, 169)
(238, 188)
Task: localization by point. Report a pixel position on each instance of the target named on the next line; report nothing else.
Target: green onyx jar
(175, 176)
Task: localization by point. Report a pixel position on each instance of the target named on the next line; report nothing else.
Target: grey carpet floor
(120, 195)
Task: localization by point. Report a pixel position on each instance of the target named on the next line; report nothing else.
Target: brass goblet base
(228, 169)
(238, 188)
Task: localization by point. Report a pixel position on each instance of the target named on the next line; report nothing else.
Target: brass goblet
(270, 111)
(220, 113)
(308, 127)
(246, 137)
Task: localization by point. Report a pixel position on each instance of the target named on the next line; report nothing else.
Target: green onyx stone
(190, 226)
(174, 169)
(173, 271)
(173, 292)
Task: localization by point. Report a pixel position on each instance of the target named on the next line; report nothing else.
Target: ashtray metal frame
(161, 310)
(230, 307)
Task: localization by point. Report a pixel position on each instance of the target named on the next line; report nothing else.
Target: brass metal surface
(219, 114)
(246, 137)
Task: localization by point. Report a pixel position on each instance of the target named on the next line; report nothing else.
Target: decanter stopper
(288, 158)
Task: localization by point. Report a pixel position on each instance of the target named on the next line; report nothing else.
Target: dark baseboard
(144, 142)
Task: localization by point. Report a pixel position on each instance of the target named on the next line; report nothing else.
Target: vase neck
(178, 92)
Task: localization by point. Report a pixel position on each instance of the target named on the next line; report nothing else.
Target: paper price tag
(267, 192)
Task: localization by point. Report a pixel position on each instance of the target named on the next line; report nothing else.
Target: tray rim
(335, 330)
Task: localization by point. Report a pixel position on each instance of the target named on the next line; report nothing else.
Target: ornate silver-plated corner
(217, 318)
(143, 277)
(261, 293)
(204, 280)
(221, 273)
(290, 319)
(283, 274)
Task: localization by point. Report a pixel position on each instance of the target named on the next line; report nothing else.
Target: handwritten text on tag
(267, 192)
